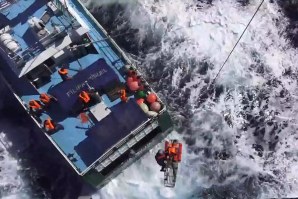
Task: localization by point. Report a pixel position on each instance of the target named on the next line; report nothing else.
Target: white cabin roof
(50, 52)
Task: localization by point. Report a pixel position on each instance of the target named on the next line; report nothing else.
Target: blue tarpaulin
(98, 75)
(124, 118)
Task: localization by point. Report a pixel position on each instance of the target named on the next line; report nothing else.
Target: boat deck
(82, 141)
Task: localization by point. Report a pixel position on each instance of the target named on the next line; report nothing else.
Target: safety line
(216, 76)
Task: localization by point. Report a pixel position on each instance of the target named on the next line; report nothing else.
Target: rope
(219, 71)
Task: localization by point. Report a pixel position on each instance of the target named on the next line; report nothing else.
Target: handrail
(124, 140)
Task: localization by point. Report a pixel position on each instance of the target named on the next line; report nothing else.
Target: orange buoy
(151, 98)
(140, 101)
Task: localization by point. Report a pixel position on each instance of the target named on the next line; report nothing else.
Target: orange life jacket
(34, 104)
(84, 97)
(173, 151)
(45, 98)
(63, 71)
(48, 124)
(123, 95)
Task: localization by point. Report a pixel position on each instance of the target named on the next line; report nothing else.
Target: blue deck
(102, 136)
(82, 142)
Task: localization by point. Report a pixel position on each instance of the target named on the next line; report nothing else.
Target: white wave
(11, 182)
(209, 34)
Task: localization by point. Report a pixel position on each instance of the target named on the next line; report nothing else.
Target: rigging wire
(231, 52)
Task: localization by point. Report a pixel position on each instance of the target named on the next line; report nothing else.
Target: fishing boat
(79, 87)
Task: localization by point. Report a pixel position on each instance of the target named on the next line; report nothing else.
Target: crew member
(46, 98)
(160, 158)
(63, 72)
(51, 126)
(35, 105)
(123, 96)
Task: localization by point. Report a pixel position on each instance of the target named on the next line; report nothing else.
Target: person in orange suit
(46, 99)
(123, 95)
(50, 126)
(35, 105)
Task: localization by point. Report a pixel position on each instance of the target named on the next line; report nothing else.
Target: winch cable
(231, 52)
(222, 66)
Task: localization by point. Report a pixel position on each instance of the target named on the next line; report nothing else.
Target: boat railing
(127, 146)
(134, 158)
(106, 157)
(31, 51)
(124, 141)
(101, 29)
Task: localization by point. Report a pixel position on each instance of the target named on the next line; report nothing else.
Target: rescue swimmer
(168, 159)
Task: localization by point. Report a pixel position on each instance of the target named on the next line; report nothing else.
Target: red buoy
(151, 98)
(129, 80)
(134, 86)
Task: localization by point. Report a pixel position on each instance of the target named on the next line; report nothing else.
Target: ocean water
(239, 139)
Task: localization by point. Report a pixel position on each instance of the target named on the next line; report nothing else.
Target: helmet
(160, 151)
